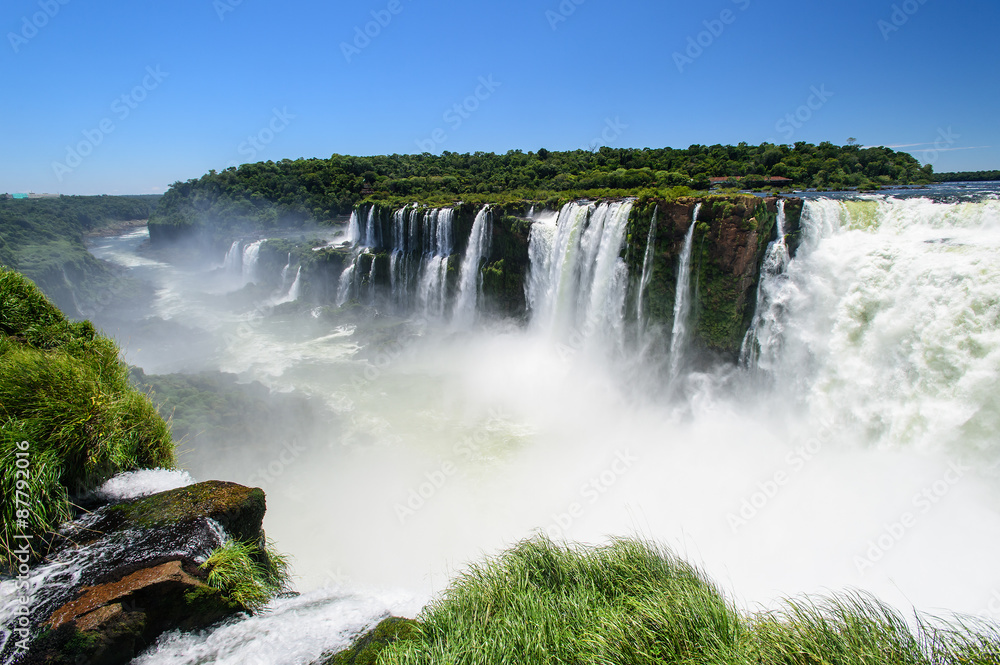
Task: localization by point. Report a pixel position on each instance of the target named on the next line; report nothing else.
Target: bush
(248, 574)
(67, 410)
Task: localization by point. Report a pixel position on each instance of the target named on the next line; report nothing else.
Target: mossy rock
(366, 649)
(239, 509)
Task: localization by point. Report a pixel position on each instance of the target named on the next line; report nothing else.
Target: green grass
(66, 393)
(247, 574)
(633, 603)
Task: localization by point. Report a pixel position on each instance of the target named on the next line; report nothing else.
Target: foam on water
(135, 484)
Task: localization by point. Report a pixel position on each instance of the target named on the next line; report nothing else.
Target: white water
(451, 446)
(354, 229)
(578, 280)
(233, 262)
(767, 313)
(647, 274)
(470, 277)
(432, 292)
(250, 255)
(682, 301)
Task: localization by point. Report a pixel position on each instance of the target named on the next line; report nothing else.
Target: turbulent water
(858, 449)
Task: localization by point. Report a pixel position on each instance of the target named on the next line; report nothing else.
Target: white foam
(135, 484)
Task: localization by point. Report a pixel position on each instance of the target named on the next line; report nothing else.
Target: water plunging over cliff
(682, 300)
(578, 280)
(880, 340)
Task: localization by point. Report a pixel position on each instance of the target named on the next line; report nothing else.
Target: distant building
(18, 196)
(32, 195)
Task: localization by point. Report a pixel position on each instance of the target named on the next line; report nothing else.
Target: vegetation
(968, 176)
(213, 407)
(632, 602)
(291, 192)
(69, 418)
(248, 574)
(43, 239)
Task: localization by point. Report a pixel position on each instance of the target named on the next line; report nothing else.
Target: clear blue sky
(927, 73)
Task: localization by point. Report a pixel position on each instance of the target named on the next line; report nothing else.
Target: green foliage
(291, 192)
(968, 176)
(248, 574)
(43, 239)
(65, 392)
(366, 649)
(632, 602)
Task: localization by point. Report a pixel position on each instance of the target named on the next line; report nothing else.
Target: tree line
(289, 192)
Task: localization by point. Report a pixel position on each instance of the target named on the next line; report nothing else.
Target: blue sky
(114, 97)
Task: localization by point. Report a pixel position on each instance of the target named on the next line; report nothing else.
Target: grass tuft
(633, 602)
(248, 574)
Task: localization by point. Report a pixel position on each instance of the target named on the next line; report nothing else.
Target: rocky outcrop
(133, 571)
(730, 238)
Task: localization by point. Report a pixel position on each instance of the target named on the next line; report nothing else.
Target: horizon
(112, 100)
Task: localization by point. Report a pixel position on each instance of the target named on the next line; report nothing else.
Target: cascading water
(682, 301)
(647, 274)
(233, 262)
(768, 307)
(865, 461)
(371, 237)
(470, 278)
(251, 253)
(577, 280)
(354, 229)
(432, 291)
(286, 270)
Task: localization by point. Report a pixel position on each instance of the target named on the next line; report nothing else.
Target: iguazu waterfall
(852, 446)
(682, 300)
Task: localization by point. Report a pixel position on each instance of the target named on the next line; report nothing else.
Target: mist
(857, 455)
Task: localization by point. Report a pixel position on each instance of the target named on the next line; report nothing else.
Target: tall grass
(634, 603)
(65, 391)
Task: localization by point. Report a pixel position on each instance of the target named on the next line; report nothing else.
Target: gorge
(797, 395)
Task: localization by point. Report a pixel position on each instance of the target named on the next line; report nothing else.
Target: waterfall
(578, 280)
(354, 229)
(250, 255)
(346, 287)
(470, 277)
(293, 291)
(647, 274)
(766, 319)
(286, 270)
(233, 262)
(432, 287)
(682, 300)
(371, 230)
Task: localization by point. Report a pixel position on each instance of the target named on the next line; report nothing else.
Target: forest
(290, 192)
(43, 239)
